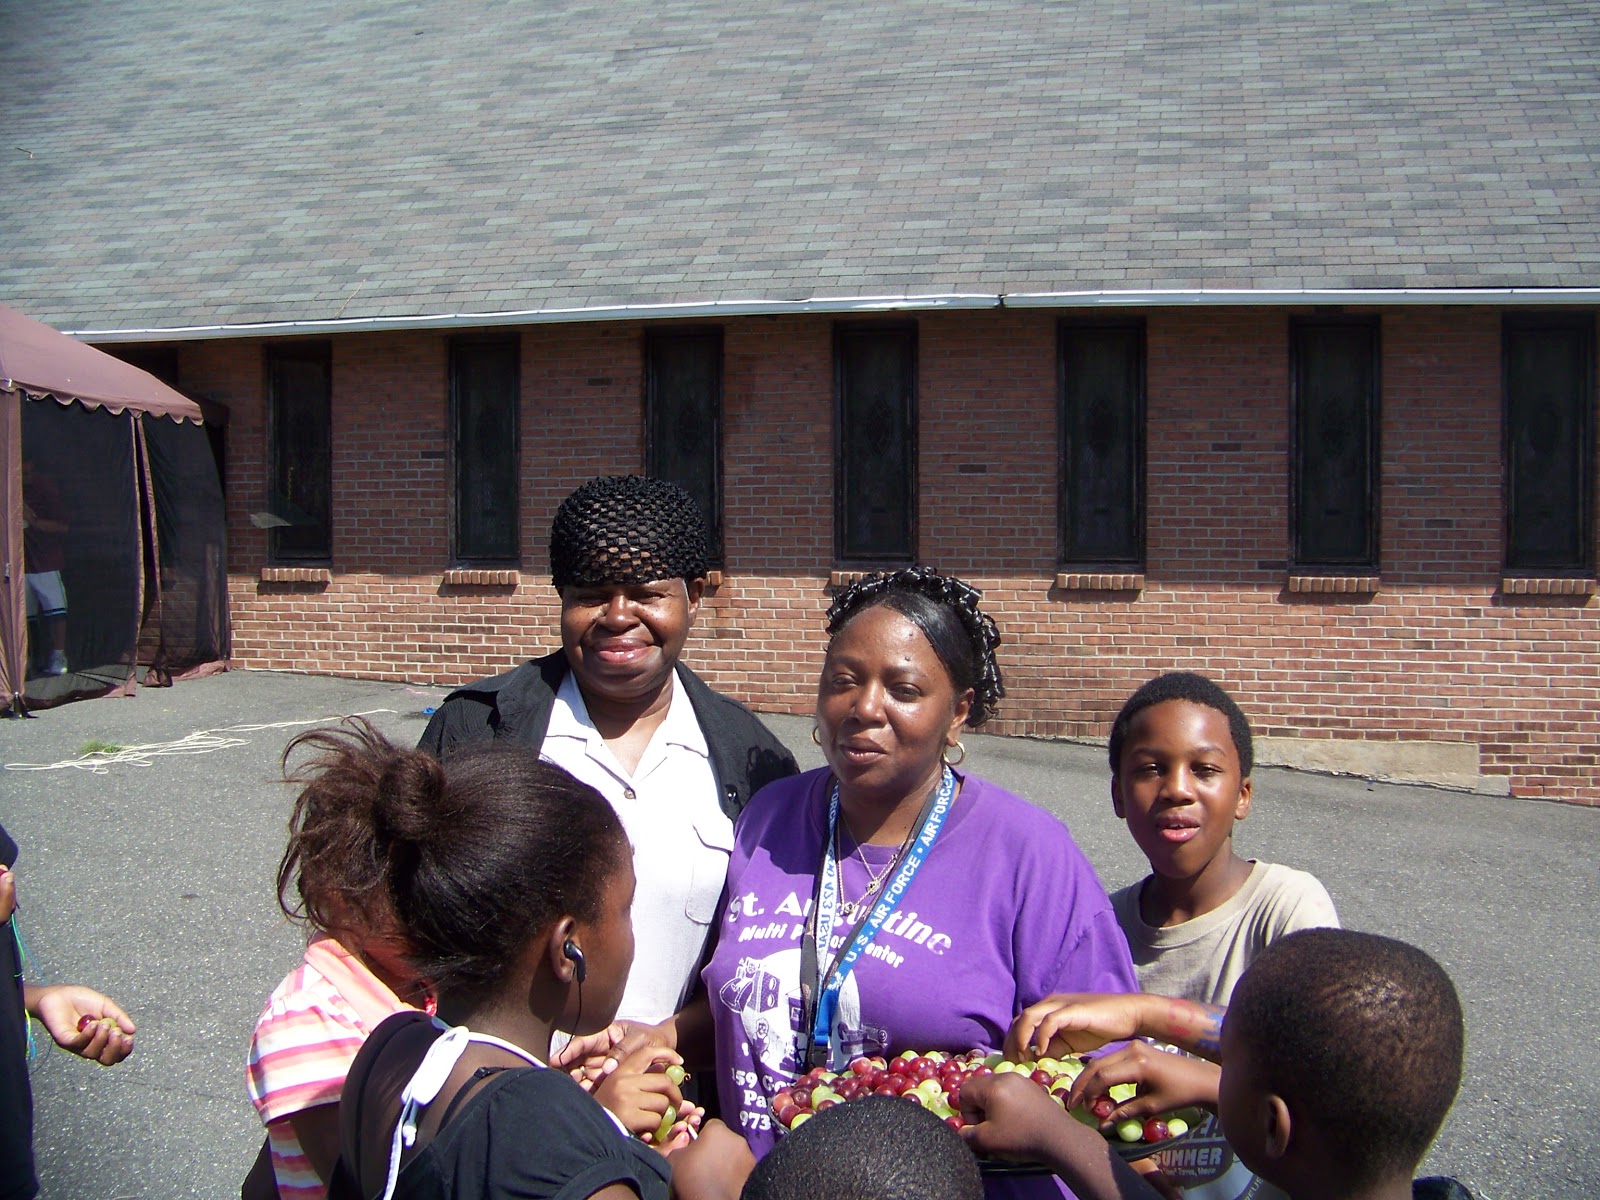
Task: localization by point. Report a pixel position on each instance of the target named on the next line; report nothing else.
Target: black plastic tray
(1128, 1151)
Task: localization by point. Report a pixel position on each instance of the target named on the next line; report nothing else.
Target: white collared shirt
(681, 841)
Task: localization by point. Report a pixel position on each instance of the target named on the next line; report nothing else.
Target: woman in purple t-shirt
(949, 904)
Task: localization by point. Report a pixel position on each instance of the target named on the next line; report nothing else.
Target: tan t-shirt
(1202, 959)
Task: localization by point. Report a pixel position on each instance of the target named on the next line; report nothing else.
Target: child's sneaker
(57, 663)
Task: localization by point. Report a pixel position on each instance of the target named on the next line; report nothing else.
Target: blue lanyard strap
(828, 983)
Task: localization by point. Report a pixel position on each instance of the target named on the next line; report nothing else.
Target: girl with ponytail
(505, 884)
(514, 888)
(333, 879)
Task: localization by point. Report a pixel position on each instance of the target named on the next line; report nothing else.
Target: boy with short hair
(1341, 1056)
(875, 1148)
(1181, 756)
(1319, 1018)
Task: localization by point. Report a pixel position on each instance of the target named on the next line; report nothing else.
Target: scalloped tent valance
(113, 557)
(40, 361)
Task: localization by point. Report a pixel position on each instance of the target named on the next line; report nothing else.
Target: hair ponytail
(466, 862)
(334, 868)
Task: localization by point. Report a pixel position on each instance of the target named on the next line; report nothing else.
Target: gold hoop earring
(816, 736)
(961, 755)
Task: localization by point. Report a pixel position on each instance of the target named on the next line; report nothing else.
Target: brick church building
(1243, 338)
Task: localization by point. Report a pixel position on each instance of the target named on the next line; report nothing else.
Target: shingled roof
(175, 165)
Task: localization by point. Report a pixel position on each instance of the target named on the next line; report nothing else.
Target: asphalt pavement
(150, 877)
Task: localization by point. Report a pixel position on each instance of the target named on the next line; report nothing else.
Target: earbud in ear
(570, 950)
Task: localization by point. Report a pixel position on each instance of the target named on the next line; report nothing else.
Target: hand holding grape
(643, 1092)
(83, 1021)
(1164, 1081)
(1010, 1117)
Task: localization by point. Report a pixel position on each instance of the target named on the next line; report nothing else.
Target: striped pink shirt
(302, 1048)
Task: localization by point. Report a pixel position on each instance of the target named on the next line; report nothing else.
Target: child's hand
(1165, 1081)
(1009, 1117)
(639, 1091)
(1073, 1023)
(8, 893)
(1013, 1118)
(713, 1167)
(591, 1058)
(83, 1021)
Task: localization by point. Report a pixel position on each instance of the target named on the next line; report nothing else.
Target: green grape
(668, 1119)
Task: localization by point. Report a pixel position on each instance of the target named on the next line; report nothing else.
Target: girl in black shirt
(511, 883)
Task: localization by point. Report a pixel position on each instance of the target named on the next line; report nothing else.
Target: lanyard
(819, 991)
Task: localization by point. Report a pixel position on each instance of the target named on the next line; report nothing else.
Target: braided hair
(946, 611)
(627, 529)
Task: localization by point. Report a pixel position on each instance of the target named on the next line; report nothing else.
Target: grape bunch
(934, 1081)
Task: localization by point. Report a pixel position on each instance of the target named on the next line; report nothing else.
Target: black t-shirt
(526, 1132)
(17, 1180)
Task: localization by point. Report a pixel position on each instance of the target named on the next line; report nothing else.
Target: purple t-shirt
(1005, 910)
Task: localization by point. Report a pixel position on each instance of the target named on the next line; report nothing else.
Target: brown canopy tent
(111, 525)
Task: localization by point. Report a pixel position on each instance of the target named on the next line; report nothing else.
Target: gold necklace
(850, 908)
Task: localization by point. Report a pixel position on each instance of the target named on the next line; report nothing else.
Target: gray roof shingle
(172, 164)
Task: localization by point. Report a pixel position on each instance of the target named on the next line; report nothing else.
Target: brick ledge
(1546, 585)
(482, 577)
(1084, 581)
(296, 575)
(1347, 585)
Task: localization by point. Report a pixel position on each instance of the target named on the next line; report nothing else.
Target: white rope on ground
(204, 741)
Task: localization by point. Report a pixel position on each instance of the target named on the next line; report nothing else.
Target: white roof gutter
(721, 309)
(1302, 296)
(700, 310)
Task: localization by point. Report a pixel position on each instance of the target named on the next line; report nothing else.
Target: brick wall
(1437, 654)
